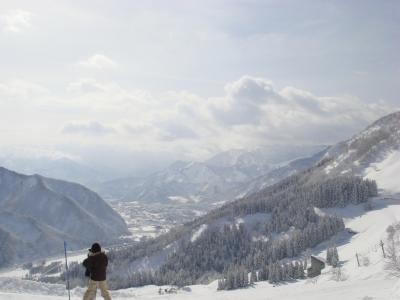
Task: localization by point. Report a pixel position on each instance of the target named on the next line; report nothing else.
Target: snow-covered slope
(374, 153)
(386, 172)
(370, 281)
(39, 213)
(277, 174)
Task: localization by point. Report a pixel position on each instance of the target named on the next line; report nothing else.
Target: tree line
(290, 227)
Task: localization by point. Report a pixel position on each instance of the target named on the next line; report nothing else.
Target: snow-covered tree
(332, 256)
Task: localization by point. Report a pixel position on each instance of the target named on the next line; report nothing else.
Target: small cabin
(317, 264)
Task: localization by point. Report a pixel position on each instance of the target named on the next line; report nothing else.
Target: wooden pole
(66, 270)
(358, 261)
(383, 249)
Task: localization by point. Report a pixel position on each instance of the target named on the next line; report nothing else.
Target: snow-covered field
(370, 281)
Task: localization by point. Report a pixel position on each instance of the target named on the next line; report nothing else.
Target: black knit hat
(95, 248)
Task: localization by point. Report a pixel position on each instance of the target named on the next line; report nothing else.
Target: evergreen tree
(335, 257)
(253, 277)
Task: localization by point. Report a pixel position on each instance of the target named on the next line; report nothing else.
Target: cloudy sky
(118, 82)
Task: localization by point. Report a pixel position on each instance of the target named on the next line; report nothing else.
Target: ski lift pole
(66, 270)
(383, 249)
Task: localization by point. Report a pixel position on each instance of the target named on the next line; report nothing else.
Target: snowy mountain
(223, 177)
(374, 153)
(279, 173)
(37, 214)
(184, 191)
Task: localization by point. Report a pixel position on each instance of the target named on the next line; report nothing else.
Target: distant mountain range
(226, 176)
(37, 214)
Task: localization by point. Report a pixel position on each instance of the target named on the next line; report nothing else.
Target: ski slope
(365, 282)
(386, 173)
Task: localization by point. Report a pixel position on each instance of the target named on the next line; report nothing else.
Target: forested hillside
(217, 244)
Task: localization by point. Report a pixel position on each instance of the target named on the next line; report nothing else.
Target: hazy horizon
(145, 83)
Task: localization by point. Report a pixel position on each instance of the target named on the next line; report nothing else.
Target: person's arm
(86, 266)
(106, 260)
(87, 263)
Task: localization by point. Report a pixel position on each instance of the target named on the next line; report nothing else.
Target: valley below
(153, 219)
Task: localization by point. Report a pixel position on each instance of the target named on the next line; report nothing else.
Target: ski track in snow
(364, 283)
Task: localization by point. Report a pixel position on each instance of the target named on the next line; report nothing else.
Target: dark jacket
(96, 264)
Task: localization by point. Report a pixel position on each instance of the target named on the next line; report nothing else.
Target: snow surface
(387, 172)
(198, 233)
(364, 283)
(373, 153)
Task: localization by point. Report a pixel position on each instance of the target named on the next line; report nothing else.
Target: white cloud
(16, 21)
(171, 130)
(21, 89)
(87, 128)
(244, 101)
(255, 111)
(90, 85)
(250, 112)
(24, 94)
(104, 96)
(252, 90)
(98, 62)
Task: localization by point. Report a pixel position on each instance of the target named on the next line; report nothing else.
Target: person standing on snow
(96, 265)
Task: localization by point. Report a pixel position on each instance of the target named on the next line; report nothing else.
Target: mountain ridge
(363, 153)
(36, 208)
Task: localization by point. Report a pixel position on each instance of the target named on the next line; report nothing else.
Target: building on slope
(317, 264)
